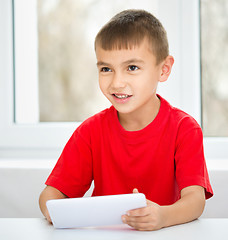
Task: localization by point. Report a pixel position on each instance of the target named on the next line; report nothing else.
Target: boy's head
(129, 28)
(132, 57)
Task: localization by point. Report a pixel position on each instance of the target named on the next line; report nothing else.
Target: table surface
(38, 228)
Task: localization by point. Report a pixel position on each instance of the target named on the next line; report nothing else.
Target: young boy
(141, 143)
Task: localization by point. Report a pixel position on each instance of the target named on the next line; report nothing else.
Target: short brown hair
(129, 28)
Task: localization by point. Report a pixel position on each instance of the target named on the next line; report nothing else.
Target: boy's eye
(132, 68)
(105, 69)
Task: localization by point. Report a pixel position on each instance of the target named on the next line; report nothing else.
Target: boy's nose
(118, 82)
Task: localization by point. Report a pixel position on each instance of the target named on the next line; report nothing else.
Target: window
(42, 98)
(214, 83)
(214, 35)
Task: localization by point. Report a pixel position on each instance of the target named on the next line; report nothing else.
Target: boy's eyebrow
(100, 63)
(130, 61)
(133, 60)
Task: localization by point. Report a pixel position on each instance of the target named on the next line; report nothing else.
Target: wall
(22, 181)
(217, 205)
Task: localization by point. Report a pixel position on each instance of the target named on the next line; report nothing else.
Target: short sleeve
(190, 161)
(72, 174)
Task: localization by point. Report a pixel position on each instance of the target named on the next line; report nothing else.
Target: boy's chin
(124, 110)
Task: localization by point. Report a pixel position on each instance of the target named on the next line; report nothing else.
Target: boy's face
(129, 77)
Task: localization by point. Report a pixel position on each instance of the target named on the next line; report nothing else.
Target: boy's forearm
(188, 208)
(47, 194)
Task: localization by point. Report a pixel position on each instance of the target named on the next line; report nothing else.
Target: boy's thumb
(135, 190)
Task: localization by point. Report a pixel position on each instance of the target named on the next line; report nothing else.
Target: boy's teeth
(121, 96)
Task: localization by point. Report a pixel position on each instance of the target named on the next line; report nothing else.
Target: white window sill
(28, 163)
(217, 164)
(212, 164)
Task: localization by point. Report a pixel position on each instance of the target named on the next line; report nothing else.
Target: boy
(141, 143)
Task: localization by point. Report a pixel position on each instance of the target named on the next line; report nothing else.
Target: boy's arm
(47, 194)
(153, 217)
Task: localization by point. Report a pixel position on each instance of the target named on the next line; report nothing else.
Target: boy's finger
(142, 219)
(138, 212)
(135, 190)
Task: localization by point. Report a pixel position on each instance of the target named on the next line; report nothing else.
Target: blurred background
(214, 63)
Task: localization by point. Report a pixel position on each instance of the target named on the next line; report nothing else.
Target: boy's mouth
(121, 96)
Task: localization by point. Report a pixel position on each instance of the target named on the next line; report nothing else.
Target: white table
(37, 228)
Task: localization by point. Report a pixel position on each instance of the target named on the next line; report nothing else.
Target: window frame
(22, 140)
(46, 140)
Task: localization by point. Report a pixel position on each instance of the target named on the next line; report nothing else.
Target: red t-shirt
(159, 160)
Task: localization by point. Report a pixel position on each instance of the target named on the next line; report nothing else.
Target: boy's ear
(166, 68)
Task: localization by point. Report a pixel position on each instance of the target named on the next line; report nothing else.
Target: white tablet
(93, 211)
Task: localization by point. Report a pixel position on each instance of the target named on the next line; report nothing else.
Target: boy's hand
(152, 217)
(145, 219)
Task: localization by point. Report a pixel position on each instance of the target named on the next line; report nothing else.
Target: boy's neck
(143, 117)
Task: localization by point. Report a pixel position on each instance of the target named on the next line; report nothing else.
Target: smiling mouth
(121, 96)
